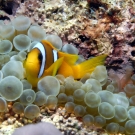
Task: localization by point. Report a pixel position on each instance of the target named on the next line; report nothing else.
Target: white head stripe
(42, 50)
(55, 55)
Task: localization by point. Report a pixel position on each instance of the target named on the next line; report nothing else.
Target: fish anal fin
(66, 70)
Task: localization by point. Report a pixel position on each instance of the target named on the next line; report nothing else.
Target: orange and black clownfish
(44, 59)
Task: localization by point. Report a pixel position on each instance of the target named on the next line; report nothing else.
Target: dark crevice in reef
(8, 10)
(22, 1)
(133, 53)
(4, 18)
(9, 6)
(95, 5)
(132, 43)
(84, 38)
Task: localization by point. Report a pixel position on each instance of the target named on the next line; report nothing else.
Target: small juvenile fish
(44, 59)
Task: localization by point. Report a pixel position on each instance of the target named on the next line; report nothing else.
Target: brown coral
(96, 30)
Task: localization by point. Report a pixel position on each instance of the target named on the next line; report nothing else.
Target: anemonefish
(44, 59)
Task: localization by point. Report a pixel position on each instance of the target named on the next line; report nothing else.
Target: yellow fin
(52, 70)
(68, 58)
(65, 69)
(88, 66)
(49, 44)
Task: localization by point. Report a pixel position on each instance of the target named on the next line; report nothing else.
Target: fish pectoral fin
(52, 70)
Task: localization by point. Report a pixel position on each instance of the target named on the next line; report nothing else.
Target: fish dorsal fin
(69, 58)
(41, 48)
(49, 44)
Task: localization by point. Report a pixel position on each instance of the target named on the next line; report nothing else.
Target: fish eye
(40, 57)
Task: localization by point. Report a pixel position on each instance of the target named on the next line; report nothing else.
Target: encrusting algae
(55, 78)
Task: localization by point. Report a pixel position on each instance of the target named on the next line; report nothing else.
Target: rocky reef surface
(94, 27)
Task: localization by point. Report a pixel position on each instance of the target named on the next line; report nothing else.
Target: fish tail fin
(88, 66)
